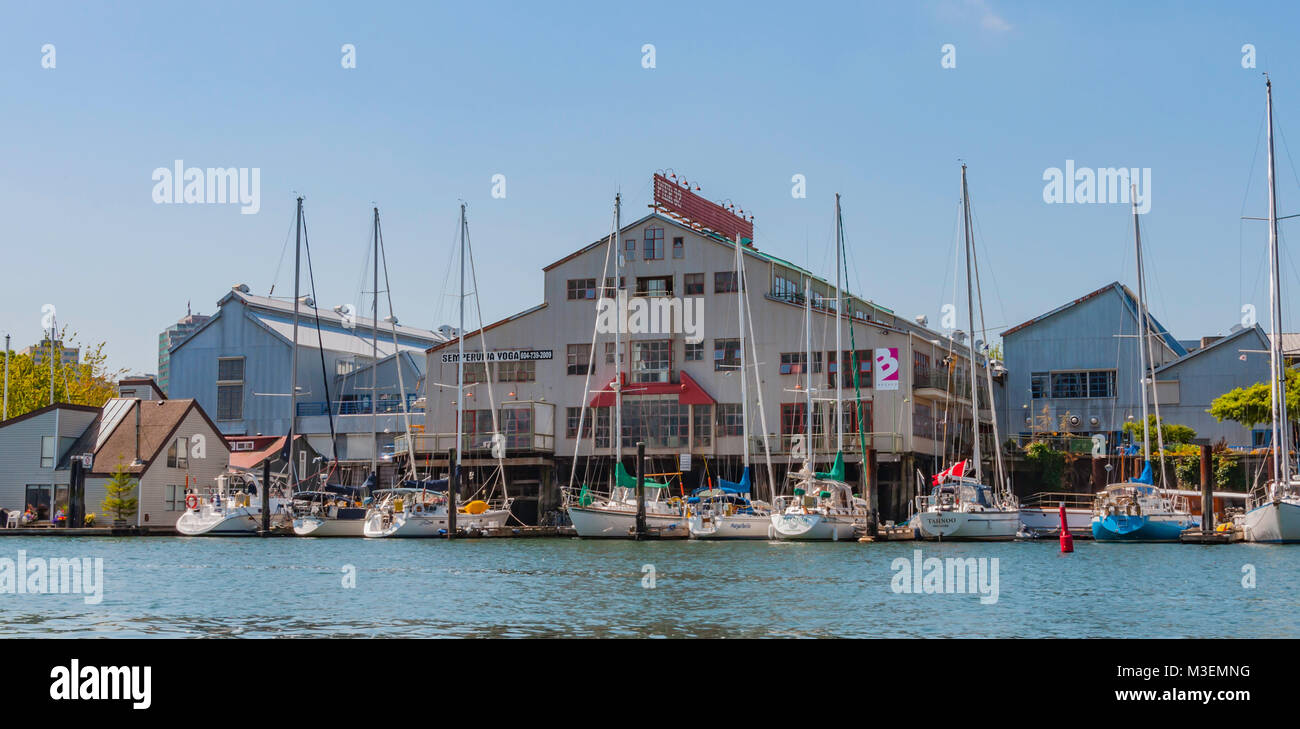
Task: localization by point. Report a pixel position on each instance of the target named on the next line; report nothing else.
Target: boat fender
(192, 502)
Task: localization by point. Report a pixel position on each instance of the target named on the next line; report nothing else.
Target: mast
(1281, 426)
(807, 366)
(970, 310)
(293, 374)
(744, 389)
(839, 349)
(618, 339)
(1142, 329)
(374, 364)
(460, 358)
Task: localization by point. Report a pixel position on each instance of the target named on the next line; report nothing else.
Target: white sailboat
(960, 506)
(1273, 508)
(728, 510)
(420, 508)
(613, 515)
(232, 508)
(1135, 510)
(822, 507)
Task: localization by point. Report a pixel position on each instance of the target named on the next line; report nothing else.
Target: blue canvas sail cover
(1147, 476)
(428, 484)
(731, 487)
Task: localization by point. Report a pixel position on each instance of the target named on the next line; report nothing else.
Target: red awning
(688, 391)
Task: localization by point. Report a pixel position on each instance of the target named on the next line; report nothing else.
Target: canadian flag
(956, 470)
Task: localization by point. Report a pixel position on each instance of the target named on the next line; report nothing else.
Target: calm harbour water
(186, 587)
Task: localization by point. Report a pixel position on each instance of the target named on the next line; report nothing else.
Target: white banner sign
(506, 355)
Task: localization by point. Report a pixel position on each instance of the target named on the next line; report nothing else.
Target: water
(180, 587)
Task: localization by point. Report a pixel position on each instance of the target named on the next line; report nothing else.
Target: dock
(1201, 536)
(891, 533)
(675, 531)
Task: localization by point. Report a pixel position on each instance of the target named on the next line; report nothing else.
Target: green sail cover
(584, 496)
(628, 481)
(837, 471)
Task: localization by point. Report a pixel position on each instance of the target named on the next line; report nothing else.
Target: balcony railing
(939, 381)
(358, 407)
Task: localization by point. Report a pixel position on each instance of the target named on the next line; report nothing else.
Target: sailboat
(1273, 508)
(726, 509)
(420, 507)
(960, 507)
(331, 510)
(1135, 510)
(823, 506)
(614, 515)
(232, 508)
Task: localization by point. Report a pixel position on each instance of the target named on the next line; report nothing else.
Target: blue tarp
(1147, 476)
(428, 484)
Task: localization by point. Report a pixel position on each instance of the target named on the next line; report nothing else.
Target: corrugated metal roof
(331, 339)
(362, 325)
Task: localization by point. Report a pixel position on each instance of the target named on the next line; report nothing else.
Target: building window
(475, 372)
(850, 421)
(241, 445)
(679, 248)
(230, 388)
(581, 288)
(923, 421)
(177, 457)
(174, 497)
(653, 250)
(702, 426)
(609, 354)
(629, 249)
(724, 282)
(571, 417)
(608, 290)
(785, 286)
(659, 420)
(864, 368)
(730, 419)
(694, 351)
(652, 360)
(1069, 384)
(726, 354)
(920, 366)
(517, 371)
(794, 422)
(1039, 385)
(47, 451)
(601, 438)
(1101, 384)
(579, 359)
(795, 363)
(38, 497)
(654, 286)
(694, 284)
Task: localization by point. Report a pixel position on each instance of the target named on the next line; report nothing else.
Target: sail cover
(730, 487)
(628, 481)
(835, 474)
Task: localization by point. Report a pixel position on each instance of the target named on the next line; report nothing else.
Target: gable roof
(1130, 303)
(1213, 345)
(47, 409)
(111, 437)
(134, 381)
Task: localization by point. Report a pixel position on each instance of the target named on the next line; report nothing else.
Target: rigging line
(997, 289)
(487, 371)
(1245, 198)
(320, 343)
(288, 234)
(397, 352)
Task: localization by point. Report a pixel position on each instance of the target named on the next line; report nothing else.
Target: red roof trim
(688, 391)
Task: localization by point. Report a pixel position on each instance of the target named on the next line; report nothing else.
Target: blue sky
(554, 96)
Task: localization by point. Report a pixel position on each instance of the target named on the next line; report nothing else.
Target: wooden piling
(640, 490)
(1207, 490)
(266, 497)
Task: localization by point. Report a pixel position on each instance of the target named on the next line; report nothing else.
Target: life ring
(192, 502)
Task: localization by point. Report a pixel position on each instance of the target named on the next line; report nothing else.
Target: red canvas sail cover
(688, 391)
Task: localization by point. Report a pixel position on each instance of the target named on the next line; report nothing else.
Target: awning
(688, 391)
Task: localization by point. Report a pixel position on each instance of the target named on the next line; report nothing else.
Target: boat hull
(964, 526)
(426, 526)
(1132, 528)
(1046, 522)
(813, 527)
(315, 526)
(240, 522)
(1277, 522)
(734, 526)
(594, 523)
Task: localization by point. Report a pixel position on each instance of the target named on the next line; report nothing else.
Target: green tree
(1050, 463)
(1252, 405)
(120, 502)
(88, 382)
(1171, 433)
